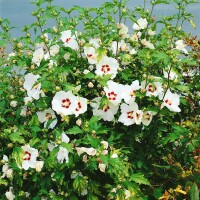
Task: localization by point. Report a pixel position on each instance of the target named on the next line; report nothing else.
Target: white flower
(5, 167)
(13, 104)
(29, 159)
(45, 116)
(9, 194)
(95, 42)
(180, 45)
(84, 192)
(129, 92)
(127, 194)
(64, 138)
(79, 122)
(69, 40)
(81, 106)
(91, 55)
(33, 90)
(105, 144)
(138, 115)
(172, 75)
(64, 103)
(130, 114)
(38, 55)
(151, 33)
(123, 31)
(74, 174)
(114, 155)
(133, 51)
(39, 165)
(171, 101)
(9, 173)
(114, 92)
(106, 112)
(147, 117)
(120, 46)
(91, 151)
(107, 65)
(102, 167)
(147, 44)
(141, 24)
(63, 155)
(54, 50)
(135, 37)
(104, 152)
(86, 71)
(152, 89)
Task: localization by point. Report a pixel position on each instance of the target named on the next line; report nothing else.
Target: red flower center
(169, 102)
(105, 108)
(152, 88)
(130, 115)
(105, 69)
(67, 40)
(112, 96)
(132, 93)
(66, 103)
(90, 55)
(27, 156)
(79, 106)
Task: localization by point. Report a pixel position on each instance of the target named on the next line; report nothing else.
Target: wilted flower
(180, 45)
(102, 167)
(9, 194)
(39, 165)
(63, 155)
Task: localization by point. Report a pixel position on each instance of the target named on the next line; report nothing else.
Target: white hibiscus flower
(107, 65)
(81, 106)
(130, 114)
(7, 171)
(64, 103)
(171, 101)
(120, 46)
(63, 155)
(69, 40)
(45, 116)
(38, 55)
(107, 112)
(114, 92)
(141, 24)
(147, 44)
(9, 194)
(152, 89)
(91, 55)
(129, 92)
(180, 45)
(29, 159)
(147, 117)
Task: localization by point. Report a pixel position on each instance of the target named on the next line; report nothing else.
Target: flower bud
(13, 104)
(79, 122)
(39, 165)
(90, 85)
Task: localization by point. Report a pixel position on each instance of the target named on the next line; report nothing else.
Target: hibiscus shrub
(92, 109)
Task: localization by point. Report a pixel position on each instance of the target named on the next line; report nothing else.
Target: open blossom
(9, 194)
(38, 55)
(147, 117)
(29, 158)
(64, 103)
(63, 155)
(129, 92)
(114, 92)
(91, 55)
(81, 106)
(33, 89)
(45, 116)
(107, 65)
(141, 24)
(130, 114)
(152, 89)
(171, 101)
(180, 45)
(106, 112)
(69, 39)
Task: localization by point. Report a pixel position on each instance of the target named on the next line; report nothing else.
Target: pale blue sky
(19, 11)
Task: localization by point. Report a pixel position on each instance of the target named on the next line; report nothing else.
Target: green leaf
(194, 192)
(140, 179)
(18, 154)
(75, 130)
(16, 137)
(89, 75)
(67, 146)
(3, 182)
(182, 88)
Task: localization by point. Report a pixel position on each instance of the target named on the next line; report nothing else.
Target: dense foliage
(94, 109)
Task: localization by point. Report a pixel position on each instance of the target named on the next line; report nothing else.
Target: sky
(19, 11)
